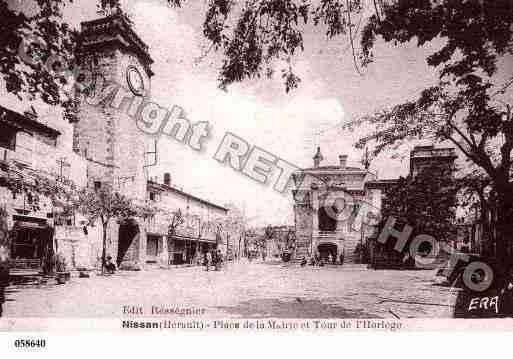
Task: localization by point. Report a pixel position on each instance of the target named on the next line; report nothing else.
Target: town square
(261, 159)
(241, 290)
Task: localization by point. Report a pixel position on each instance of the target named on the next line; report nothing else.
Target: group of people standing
(317, 260)
(212, 258)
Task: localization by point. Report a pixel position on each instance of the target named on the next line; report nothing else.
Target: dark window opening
(326, 220)
(7, 137)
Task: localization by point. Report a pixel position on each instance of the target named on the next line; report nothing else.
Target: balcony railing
(434, 152)
(25, 264)
(331, 235)
(21, 155)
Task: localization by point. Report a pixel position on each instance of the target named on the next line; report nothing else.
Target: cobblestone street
(248, 290)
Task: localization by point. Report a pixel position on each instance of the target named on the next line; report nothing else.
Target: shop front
(32, 246)
(184, 250)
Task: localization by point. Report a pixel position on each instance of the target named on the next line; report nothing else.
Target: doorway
(152, 248)
(128, 242)
(27, 244)
(32, 245)
(326, 250)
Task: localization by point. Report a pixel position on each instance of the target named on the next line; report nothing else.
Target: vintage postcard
(255, 166)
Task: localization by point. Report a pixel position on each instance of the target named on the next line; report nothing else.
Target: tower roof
(114, 30)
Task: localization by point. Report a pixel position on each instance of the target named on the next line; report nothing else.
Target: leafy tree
(464, 108)
(235, 225)
(479, 200)
(252, 35)
(203, 226)
(427, 202)
(46, 40)
(104, 204)
(218, 230)
(176, 221)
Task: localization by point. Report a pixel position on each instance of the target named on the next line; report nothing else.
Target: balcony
(327, 236)
(21, 156)
(430, 151)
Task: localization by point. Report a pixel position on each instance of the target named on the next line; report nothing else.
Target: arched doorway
(327, 249)
(128, 241)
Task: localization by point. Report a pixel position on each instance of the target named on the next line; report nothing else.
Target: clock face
(135, 80)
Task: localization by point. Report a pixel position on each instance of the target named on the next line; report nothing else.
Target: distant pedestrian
(218, 260)
(208, 260)
(330, 258)
(303, 262)
(110, 268)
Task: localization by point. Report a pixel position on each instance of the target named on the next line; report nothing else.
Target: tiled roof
(164, 187)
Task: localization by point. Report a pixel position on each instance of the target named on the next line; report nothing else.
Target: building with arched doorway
(328, 200)
(325, 200)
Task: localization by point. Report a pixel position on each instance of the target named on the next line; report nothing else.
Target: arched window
(326, 220)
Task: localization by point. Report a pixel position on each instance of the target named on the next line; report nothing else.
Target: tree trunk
(104, 245)
(504, 224)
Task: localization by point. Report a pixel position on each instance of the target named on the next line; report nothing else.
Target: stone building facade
(325, 198)
(103, 148)
(204, 226)
(36, 149)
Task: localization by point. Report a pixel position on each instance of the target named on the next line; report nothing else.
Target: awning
(30, 225)
(202, 240)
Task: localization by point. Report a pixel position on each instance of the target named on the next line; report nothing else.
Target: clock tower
(106, 134)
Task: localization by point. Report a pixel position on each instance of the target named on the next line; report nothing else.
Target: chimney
(167, 179)
(343, 161)
(318, 158)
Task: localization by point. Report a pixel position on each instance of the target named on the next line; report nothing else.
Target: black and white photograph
(255, 166)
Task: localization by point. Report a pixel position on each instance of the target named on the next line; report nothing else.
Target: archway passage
(128, 242)
(327, 250)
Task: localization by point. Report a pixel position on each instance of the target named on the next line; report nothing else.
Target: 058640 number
(30, 343)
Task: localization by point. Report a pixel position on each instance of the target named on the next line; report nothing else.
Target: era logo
(484, 303)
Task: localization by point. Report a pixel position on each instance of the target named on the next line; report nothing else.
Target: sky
(290, 126)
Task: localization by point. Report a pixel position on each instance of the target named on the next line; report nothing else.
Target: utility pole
(62, 162)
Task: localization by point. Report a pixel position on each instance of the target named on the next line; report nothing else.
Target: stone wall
(304, 230)
(77, 248)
